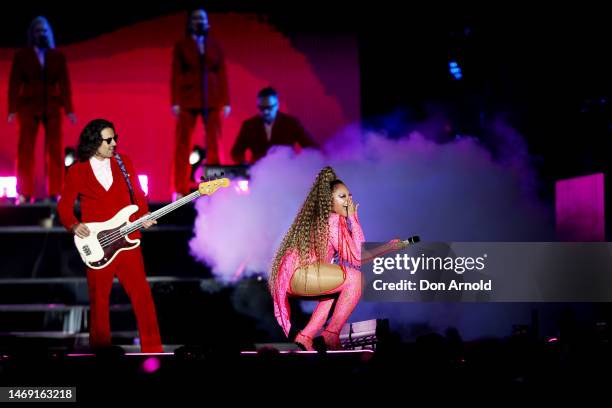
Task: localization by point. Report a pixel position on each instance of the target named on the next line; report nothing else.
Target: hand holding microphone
(410, 241)
(401, 244)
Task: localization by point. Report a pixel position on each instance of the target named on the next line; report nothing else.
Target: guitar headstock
(209, 187)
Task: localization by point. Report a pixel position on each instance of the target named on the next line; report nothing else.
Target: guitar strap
(126, 176)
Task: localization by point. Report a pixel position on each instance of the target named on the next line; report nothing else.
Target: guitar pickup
(86, 250)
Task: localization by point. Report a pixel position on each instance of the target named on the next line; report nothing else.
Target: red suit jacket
(97, 204)
(35, 90)
(286, 130)
(187, 71)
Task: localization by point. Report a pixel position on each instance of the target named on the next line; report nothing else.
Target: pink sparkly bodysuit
(344, 244)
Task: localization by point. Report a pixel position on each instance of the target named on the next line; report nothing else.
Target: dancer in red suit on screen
(199, 88)
(39, 87)
(100, 181)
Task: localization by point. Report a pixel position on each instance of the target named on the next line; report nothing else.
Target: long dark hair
(33, 23)
(91, 138)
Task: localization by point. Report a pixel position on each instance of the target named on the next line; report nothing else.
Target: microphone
(412, 240)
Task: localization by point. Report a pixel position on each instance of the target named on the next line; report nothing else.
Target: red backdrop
(124, 76)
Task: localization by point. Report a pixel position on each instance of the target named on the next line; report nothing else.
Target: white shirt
(40, 53)
(102, 171)
(199, 39)
(268, 127)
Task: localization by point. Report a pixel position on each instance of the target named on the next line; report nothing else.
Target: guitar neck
(136, 225)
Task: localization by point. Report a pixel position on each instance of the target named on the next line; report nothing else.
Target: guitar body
(107, 239)
(104, 241)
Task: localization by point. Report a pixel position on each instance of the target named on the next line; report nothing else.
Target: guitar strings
(119, 234)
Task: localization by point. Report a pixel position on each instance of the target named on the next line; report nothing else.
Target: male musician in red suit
(199, 87)
(99, 180)
(269, 128)
(39, 87)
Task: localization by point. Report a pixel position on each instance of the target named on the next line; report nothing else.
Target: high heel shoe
(332, 340)
(304, 342)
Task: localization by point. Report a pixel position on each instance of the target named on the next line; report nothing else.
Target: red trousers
(184, 130)
(128, 266)
(54, 156)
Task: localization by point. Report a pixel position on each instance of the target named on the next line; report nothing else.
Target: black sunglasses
(109, 140)
(264, 108)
